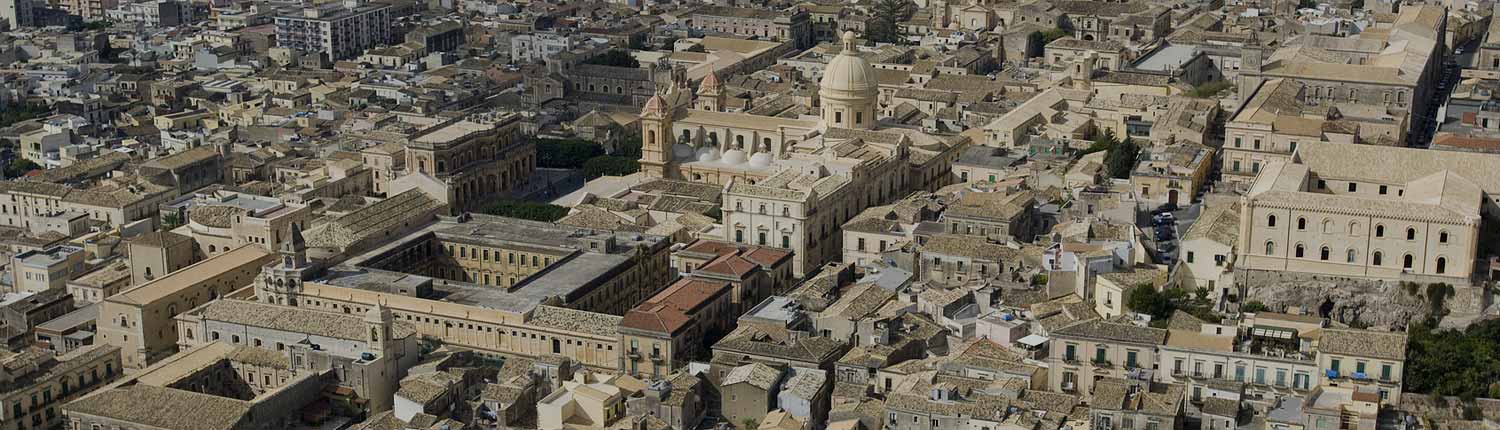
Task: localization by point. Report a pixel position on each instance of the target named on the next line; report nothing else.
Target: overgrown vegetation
(1450, 362)
(589, 156)
(565, 154)
(615, 57)
(1120, 158)
(1048, 36)
(1254, 306)
(525, 210)
(886, 24)
(609, 165)
(11, 114)
(1209, 89)
(19, 166)
(1161, 304)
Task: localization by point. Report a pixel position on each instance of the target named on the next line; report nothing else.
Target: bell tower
(378, 322)
(710, 94)
(281, 282)
(656, 137)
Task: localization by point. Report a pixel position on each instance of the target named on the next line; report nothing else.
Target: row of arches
(1354, 228)
(1377, 258)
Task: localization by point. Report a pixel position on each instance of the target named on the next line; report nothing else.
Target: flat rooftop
(1168, 58)
(49, 257)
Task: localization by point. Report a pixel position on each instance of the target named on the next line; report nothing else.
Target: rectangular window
(1385, 372)
(1353, 186)
(1382, 190)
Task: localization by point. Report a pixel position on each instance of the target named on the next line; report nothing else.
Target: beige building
(37, 382)
(1368, 212)
(51, 268)
(373, 350)
(209, 386)
(1084, 352)
(139, 322)
(792, 183)
(1282, 113)
(720, 281)
(159, 253)
(1172, 174)
(1363, 359)
(227, 220)
(587, 402)
(114, 204)
(500, 286)
(95, 286)
(469, 159)
(1268, 352)
(1390, 72)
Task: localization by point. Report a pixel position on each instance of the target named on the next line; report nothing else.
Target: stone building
(373, 350)
(1083, 353)
(38, 382)
(794, 26)
(720, 281)
(793, 182)
(1362, 211)
(499, 286)
(467, 160)
(1389, 74)
(139, 322)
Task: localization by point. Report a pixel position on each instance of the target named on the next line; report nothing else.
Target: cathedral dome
(708, 154)
(760, 160)
(682, 152)
(848, 74)
(734, 156)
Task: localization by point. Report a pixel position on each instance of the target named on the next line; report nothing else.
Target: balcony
(657, 356)
(1101, 363)
(634, 354)
(1070, 360)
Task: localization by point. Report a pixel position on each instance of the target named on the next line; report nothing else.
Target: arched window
(1354, 228)
(1406, 262)
(1379, 230)
(1327, 226)
(1323, 253)
(1442, 264)
(1301, 223)
(1443, 236)
(1349, 258)
(1375, 258)
(1270, 247)
(651, 137)
(1411, 233)
(1299, 251)
(1271, 221)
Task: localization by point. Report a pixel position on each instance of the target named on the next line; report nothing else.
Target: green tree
(1048, 36)
(615, 57)
(565, 154)
(1102, 142)
(19, 166)
(1254, 306)
(607, 165)
(1120, 159)
(14, 113)
(1209, 89)
(1451, 362)
(525, 210)
(885, 25)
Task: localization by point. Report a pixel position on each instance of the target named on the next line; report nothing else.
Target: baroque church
(792, 181)
(690, 136)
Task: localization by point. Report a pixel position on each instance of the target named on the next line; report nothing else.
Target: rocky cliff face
(1353, 302)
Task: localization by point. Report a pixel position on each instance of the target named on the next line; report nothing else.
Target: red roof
(670, 310)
